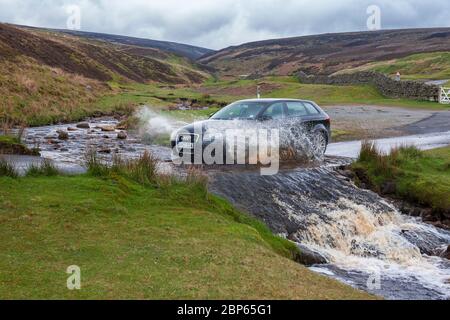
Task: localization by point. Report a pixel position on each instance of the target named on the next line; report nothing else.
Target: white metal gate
(444, 95)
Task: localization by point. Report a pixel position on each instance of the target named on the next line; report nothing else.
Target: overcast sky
(220, 23)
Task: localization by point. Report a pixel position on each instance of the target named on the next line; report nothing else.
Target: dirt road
(359, 122)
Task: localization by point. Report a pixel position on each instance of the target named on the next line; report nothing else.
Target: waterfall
(361, 236)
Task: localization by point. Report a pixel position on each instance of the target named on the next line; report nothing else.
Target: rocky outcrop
(388, 87)
(309, 257)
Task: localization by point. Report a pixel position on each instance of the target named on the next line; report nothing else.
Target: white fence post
(444, 95)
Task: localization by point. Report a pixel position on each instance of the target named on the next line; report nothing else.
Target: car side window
(310, 108)
(296, 109)
(275, 111)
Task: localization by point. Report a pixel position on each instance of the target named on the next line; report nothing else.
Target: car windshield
(240, 110)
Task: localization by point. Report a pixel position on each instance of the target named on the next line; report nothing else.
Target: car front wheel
(320, 143)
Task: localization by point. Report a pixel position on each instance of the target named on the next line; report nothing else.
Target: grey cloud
(220, 23)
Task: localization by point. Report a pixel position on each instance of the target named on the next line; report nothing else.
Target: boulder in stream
(122, 135)
(108, 128)
(83, 125)
(63, 135)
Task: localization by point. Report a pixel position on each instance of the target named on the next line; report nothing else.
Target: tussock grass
(144, 171)
(94, 165)
(197, 180)
(7, 169)
(46, 168)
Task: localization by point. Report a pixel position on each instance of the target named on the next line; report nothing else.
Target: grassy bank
(420, 177)
(13, 145)
(138, 236)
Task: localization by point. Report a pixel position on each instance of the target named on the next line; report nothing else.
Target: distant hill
(419, 66)
(49, 72)
(327, 53)
(95, 59)
(188, 51)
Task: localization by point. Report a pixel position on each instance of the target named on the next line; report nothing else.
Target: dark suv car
(295, 114)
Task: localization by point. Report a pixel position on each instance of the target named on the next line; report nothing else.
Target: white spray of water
(353, 237)
(154, 124)
(294, 142)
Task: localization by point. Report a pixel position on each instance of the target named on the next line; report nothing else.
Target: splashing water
(294, 142)
(153, 125)
(358, 239)
(356, 231)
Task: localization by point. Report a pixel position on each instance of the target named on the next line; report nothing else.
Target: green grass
(8, 139)
(421, 177)
(133, 240)
(434, 66)
(191, 115)
(341, 135)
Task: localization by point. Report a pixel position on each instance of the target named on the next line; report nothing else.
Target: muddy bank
(9, 146)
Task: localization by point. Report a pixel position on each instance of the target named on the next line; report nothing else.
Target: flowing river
(361, 239)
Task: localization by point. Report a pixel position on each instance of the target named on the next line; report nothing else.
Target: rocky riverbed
(68, 143)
